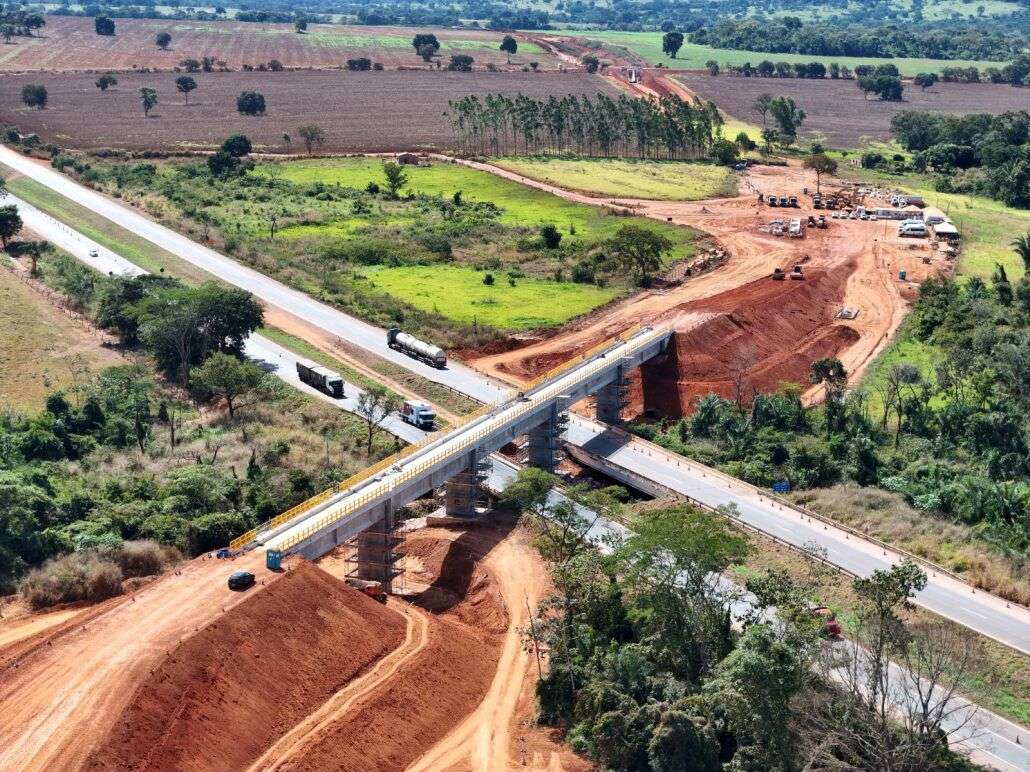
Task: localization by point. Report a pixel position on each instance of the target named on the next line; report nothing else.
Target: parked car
(241, 580)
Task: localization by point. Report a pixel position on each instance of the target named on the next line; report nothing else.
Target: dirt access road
(59, 700)
(735, 317)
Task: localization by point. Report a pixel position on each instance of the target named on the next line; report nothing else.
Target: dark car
(241, 580)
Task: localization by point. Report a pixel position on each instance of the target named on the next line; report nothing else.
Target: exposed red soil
(740, 345)
(224, 694)
(431, 693)
(737, 329)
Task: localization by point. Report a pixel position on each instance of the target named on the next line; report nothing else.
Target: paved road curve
(954, 600)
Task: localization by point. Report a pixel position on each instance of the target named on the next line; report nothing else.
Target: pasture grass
(521, 205)
(648, 46)
(42, 349)
(663, 180)
(460, 293)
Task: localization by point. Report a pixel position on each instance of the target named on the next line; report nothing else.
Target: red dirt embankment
(750, 340)
(437, 688)
(222, 696)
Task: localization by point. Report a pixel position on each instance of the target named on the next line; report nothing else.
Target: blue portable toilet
(223, 554)
(902, 275)
(273, 559)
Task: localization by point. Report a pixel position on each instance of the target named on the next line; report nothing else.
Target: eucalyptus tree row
(668, 127)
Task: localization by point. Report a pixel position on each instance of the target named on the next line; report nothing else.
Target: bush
(74, 577)
(142, 558)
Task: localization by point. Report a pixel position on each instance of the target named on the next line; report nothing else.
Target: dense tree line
(791, 35)
(646, 672)
(655, 128)
(981, 153)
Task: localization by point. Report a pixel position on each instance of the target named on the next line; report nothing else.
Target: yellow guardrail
(586, 355)
(512, 411)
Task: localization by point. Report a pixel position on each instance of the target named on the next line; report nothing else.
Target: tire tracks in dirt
(294, 742)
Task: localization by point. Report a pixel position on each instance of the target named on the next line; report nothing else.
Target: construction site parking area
(839, 113)
(70, 43)
(393, 110)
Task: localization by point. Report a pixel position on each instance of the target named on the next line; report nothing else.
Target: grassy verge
(508, 303)
(1000, 679)
(42, 349)
(956, 546)
(136, 249)
(648, 46)
(663, 180)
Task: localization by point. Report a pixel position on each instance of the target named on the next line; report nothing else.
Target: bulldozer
(778, 274)
(797, 274)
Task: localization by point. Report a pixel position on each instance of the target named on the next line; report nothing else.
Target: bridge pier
(463, 492)
(374, 558)
(545, 440)
(611, 400)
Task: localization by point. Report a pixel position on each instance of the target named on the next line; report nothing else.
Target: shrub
(74, 577)
(142, 558)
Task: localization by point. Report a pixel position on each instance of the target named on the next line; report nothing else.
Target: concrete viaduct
(362, 508)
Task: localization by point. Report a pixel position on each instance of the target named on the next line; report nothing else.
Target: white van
(912, 229)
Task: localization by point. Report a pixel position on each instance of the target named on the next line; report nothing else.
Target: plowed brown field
(358, 111)
(69, 43)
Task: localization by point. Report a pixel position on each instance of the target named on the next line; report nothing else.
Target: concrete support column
(612, 399)
(374, 556)
(462, 492)
(545, 440)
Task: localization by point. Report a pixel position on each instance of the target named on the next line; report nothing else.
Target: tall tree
(821, 164)
(185, 84)
(239, 383)
(105, 81)
(672, 42)
(374, 405)
(787, 115)
(761, 106)
(104, 25)
(313, 136)
(10, 223)
(148, 98)
(34, 95)
(1021, 245)
(639, 250)
(396, 178)
(163, 40)
(510, 46)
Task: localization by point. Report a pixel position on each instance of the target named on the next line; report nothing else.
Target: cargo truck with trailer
(413, 347)
(321, 378)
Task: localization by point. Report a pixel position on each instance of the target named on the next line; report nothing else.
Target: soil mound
(221, 697)
(436, 689)
(751, 340)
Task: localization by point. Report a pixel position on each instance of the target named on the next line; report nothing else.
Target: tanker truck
(413, 347)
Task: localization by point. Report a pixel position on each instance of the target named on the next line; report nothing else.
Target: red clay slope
(221, 697)
(440, 686)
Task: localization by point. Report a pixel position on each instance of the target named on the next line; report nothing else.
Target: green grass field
(666, 180)
(461, 294)
(648, 46)
(521, 206)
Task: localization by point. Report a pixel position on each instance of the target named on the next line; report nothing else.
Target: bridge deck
(493, 428)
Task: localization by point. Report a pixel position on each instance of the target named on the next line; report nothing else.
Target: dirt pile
(431, 693)
(750, 340)
(223, 695)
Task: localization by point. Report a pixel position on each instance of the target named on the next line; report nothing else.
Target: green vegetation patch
(665, 180)
(648, 46)
(521, 206)
(464, 295)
